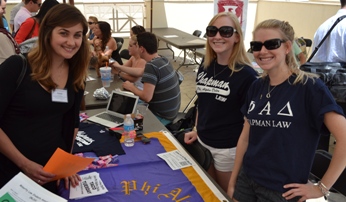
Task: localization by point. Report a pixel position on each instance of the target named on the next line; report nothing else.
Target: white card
(59, 95)
(175, 159)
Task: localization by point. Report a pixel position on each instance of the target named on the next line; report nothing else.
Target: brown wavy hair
(106, 31)
(39, 57)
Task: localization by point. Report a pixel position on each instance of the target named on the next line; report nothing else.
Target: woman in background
(222, 83)
(46, 103)
(133, 69)
(30, 27)
(92, 21)
(102, 31)
(284, 113)
(8, 44)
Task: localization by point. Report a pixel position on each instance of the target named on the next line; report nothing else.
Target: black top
(220, 98)
(36, 125)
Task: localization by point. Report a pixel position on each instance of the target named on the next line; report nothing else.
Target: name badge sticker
(59, 95)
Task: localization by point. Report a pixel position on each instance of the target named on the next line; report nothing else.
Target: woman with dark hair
(102, 31)
(8, 45)
(46, 103)
(30, 27)
(103, 38)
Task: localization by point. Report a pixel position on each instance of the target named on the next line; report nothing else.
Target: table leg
(183, 62)
(195, 57)
(169, 48)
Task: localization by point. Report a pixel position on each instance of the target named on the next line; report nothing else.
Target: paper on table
(90, 185)
(22, 189)
(89, 78)
(63, 164)
(170, 36)
(199, 41)
(175, 159)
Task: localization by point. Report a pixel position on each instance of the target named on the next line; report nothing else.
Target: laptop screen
(122, 104)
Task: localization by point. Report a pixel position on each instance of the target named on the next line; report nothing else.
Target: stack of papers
(22, 188)
(175, 159)
(91, 185)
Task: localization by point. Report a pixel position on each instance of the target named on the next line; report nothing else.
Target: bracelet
(323, 189)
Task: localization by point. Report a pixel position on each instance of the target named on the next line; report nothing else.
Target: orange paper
(64, 164)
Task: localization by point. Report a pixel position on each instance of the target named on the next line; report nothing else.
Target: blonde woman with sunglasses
(92, 21)
(222, 83)
(285, 112)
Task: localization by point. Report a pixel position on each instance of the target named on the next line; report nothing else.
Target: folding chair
(201, 154)
(308, 43)
(124, 53)
(115, 53)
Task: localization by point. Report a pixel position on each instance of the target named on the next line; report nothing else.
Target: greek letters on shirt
(83, 139)
(285, 111)
(210, 85)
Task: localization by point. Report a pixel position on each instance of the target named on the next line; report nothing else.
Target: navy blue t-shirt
(95, 138)
(284, 130)
(220, 97)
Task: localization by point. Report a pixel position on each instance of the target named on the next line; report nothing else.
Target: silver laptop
(120, 103)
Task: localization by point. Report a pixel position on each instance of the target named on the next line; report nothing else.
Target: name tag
(59, 95)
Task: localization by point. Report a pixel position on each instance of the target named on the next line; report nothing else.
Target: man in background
(160, 81)
(25, 12)
(333, 48)
(13, 13)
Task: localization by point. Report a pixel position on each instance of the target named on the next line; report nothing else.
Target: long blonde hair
(40, 58)
(238, 55)
(287, 33)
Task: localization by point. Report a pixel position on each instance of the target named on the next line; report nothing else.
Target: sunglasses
(271, 44)
(90, 23)
(225, 31)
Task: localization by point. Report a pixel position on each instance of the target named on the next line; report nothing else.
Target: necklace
(215, 75)
(269, 91)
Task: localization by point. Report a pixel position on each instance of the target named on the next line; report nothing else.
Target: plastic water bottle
(129, 131)
(106, 49)
(110, 56)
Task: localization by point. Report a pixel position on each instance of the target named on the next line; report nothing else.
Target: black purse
(333, 74)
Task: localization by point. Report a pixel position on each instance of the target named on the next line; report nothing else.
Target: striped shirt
(166, 98)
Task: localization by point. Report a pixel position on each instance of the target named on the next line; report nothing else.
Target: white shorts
(223, 158)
